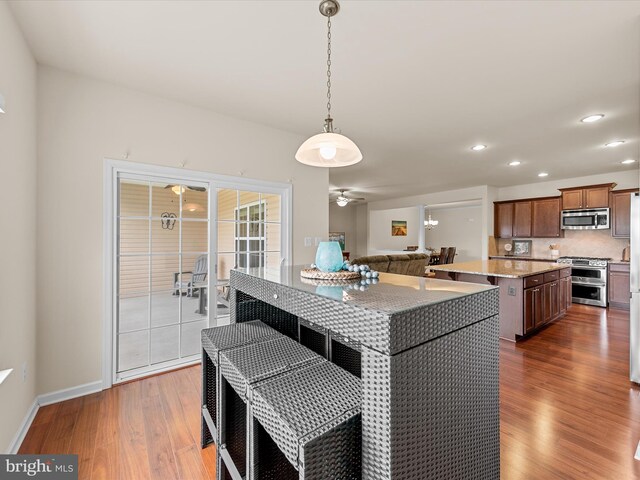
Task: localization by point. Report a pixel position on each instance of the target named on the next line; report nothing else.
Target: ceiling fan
(343, 200)
(178, 189)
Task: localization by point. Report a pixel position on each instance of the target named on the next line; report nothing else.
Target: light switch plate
(317, 241)
(307, 241)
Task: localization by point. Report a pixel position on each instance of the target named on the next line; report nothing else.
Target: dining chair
(451, 255)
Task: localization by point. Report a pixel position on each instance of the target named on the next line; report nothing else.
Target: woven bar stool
(306, 424)
(215, 340)
(240, 368)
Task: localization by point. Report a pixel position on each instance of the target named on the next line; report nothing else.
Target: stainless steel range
(588, 279)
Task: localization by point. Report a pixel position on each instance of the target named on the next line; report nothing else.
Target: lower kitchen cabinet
(619, 285)
(547, 302)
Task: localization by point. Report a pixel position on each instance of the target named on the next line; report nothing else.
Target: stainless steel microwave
(593, 219)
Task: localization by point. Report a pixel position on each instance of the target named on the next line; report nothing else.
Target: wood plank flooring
(567, 408)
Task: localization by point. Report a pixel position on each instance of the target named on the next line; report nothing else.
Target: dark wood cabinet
(619, 286)
(620, 202)
(565, 294)
(597, 197)
(546, 218)
(522, 219)
(591, 196)
(503, 220)
(533, 308)
(539, 217)
(572, 199)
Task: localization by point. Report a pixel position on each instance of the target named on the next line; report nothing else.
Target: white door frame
(111, 170)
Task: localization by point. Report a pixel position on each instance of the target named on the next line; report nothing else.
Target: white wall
(380, 239)
(459, 227)
(80, 122)
(18, 238)
(484, 194)
(343, 219)
(362, 230)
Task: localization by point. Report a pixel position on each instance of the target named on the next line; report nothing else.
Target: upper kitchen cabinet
(620, 202)
(503, 219)
(592, 196)
(546, 217)
(537, 217)
(522, 219)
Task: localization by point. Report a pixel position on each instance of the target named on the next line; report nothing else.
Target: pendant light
(329, 149)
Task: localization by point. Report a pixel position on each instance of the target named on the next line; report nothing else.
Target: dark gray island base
(427, 354)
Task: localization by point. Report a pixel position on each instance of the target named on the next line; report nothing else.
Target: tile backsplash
(588, 243)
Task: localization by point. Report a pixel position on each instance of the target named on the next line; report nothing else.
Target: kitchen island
(532, 294)
(426, 351)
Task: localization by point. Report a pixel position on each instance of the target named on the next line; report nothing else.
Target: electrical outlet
(24, 372)
(307, 241)
(511, 291)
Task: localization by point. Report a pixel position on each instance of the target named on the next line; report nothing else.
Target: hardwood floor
(146, 429)
(567, 408)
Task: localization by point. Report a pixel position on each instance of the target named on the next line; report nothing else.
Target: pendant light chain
(329, 66)
(329, 148)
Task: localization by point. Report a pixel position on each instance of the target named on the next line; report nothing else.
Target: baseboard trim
(48, 399)
(24, 428)
(69, 393)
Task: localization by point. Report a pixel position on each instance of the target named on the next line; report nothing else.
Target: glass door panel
(162, 260)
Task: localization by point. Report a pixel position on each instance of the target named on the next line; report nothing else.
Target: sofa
(404, 264)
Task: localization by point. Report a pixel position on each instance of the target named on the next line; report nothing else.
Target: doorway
(165, 231)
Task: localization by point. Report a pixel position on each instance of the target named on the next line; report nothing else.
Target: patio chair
(197, 280)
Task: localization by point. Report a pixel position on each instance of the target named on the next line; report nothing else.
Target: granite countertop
(501, 268)
(391, 294)
(538, 258)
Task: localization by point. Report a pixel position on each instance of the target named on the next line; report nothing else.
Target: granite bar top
(501, 268)
(539, 258)
(392, 294)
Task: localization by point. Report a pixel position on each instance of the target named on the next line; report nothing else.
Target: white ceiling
(415, 84)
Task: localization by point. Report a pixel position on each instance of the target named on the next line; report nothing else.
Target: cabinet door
(620, 214)
(596, 197)
(572, 199)
(529, 309)
(546, 218)
(547, 302)
(504, 220)
(569, 297)
(619, 288)
(522, 219)
(555, 299)
(538, 306)
(562, 297)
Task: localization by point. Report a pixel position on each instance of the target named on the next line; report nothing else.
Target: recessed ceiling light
(592, 118)
(628, 161)
(515, 163)
(477, 148)
(615, 143)
(543, 174)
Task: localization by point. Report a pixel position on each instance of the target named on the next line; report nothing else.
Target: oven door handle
(588, 284)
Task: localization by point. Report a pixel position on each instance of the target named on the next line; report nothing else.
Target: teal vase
(329, 257)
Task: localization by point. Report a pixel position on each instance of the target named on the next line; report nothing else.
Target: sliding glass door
(167, 233)
(163, 265)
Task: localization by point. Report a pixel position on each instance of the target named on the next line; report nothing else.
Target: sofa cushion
(399, 264)
(417, 264)
(379, 263)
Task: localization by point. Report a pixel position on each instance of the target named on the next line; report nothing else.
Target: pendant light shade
(328, 150)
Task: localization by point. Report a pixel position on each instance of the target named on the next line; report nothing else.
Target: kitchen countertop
(622, 262)
(501, 268)
(539, 258)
